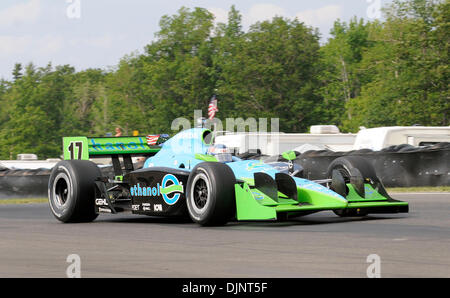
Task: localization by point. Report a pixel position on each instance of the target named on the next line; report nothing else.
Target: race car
(189, 175)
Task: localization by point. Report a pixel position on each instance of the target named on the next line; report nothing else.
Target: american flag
(212, 109)
(152, 140)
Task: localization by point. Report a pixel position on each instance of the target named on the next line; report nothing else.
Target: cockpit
(221, 152)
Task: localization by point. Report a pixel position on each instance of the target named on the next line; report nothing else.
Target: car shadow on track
(311, 220)
(136, 219)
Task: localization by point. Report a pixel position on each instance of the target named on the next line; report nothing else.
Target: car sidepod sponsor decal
(170, 189)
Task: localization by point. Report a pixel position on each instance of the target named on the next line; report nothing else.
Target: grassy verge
(23, 201)
(420, 189)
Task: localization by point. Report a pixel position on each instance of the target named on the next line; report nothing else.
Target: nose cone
(245, 169)
(319, 195)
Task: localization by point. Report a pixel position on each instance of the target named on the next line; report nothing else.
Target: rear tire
(210, 194)
(71, 190)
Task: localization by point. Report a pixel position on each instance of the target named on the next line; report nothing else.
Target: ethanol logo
(170, 190)
(174, 187)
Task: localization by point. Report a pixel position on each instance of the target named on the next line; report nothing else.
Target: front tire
(344, 166)
(211, 194)
(71, 191)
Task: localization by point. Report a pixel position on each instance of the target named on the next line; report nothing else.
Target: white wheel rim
(199, 200)
(61, 190)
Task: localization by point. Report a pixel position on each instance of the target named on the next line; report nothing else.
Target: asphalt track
(34, 244)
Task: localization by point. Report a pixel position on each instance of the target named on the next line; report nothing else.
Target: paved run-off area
(34, 244)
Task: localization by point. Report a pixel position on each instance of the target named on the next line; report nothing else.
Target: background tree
(342, 76)
(269, 71)
(409, 68)
(382, 73)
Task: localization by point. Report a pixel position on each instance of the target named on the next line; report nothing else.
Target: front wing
(254, 203)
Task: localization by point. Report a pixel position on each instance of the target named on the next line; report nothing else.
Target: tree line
(369, 73)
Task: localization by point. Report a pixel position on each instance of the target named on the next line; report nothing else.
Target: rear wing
(84, 148)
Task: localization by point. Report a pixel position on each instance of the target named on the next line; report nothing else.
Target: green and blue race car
(190, 176)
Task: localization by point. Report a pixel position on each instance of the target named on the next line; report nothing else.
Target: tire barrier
(396, 166)
(23, 183)
(29, 183)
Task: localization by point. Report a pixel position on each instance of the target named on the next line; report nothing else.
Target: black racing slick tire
(210, 194)
(71, 191)
(344, 166)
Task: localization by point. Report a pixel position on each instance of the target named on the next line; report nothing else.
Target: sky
(97, 33)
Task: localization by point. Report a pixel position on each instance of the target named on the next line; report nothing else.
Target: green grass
(420, 189)
(23, 201)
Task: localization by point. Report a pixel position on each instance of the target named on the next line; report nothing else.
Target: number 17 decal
(75, 148)
(71, 148)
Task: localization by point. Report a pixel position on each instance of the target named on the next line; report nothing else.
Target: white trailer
(329, 137)
(323, 137)
(383, 137)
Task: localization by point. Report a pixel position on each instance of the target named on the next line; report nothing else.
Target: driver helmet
(221, 152)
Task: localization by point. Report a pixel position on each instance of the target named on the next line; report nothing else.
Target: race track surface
(34, 244)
